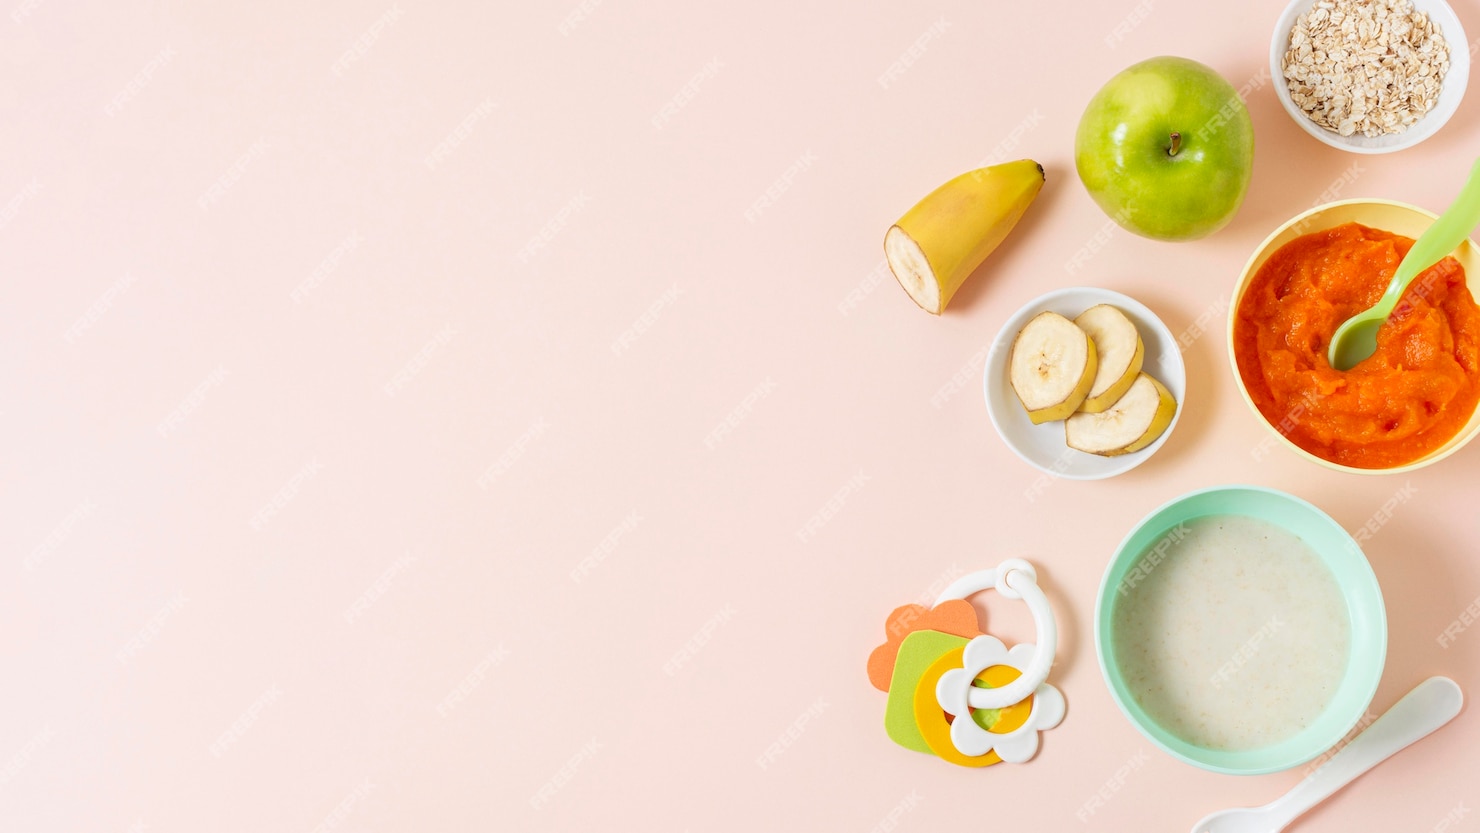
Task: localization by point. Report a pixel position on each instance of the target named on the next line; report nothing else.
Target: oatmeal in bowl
(1369, 76)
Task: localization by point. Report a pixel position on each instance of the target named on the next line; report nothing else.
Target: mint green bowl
(1353, 575)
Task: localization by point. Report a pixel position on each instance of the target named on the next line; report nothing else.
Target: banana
(1131, 424)
(1121, 353)
(937, 244)
(1051, 367)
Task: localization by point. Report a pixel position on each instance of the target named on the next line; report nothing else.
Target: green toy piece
(916, 653)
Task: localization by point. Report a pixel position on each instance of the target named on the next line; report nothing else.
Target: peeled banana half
(936, 245)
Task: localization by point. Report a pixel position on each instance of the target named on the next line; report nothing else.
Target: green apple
(1166, 149)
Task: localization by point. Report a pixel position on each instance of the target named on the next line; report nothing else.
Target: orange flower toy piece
(954, 616)
(970, 699)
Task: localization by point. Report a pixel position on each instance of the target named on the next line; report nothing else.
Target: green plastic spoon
(1356, 338)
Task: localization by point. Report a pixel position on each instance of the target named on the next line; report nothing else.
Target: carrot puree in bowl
(1414, 394)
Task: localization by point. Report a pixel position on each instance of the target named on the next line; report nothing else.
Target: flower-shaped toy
(1014, 730)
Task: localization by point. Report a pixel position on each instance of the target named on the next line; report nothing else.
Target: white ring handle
(1014, 579)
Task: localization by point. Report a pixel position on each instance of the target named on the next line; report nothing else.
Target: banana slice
(1052, 367)
(1131, 424)
(1120, 350)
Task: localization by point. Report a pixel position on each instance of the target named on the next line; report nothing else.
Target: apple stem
(1176, 144)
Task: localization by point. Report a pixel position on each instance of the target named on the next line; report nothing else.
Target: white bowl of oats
(1369, 76)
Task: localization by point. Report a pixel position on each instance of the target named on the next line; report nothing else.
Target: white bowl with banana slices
(1084, 383)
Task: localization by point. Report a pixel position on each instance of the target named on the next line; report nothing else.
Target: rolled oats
(1365, 66)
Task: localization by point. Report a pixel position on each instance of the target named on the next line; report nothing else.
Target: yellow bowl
(1396, 217)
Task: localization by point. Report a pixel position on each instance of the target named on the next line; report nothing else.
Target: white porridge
(1231, 632)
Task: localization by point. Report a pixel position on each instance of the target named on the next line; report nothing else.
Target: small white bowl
(1450, 91)
(1042, 446)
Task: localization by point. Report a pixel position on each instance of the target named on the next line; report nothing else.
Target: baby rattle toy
(958, 693)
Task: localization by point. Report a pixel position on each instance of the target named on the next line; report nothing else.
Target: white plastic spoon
(1430, 704)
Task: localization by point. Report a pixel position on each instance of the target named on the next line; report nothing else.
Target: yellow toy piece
(932, 720)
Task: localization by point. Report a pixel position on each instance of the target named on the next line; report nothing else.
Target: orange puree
(1415, 393)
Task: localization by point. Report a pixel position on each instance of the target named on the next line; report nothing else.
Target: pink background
(448, 420)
